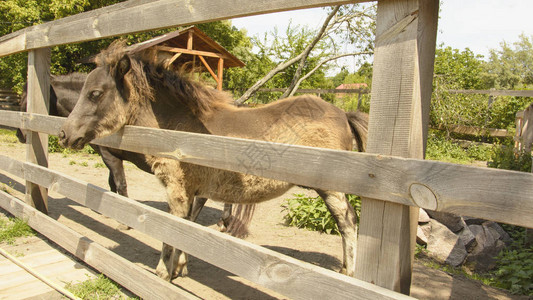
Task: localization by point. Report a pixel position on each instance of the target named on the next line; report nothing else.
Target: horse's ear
(123, 66)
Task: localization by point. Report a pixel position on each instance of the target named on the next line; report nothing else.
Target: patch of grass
(480, 152)
(442, 149)
(72, 162)
(97, 288)
(84, 164)
(54, 147)
(53, 144)
(8, 136)
(8, 188)
(312, 213)
(11, 228)
(99, 165)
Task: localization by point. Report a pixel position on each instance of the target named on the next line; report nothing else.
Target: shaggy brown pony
(127, 90)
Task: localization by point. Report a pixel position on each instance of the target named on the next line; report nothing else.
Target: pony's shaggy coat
(126, 90)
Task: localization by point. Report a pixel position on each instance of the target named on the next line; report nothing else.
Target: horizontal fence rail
(492, 194)
(318, 91)
(268, 268)
(142, 15)
(525, 93)
(476, 131)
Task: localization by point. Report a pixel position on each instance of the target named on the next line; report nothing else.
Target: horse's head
(102, 106)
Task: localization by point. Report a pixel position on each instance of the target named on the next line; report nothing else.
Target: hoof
(345, 272)
(162, 272)
(181, 270)
(222, 226)
(123, 227)
(163, 275)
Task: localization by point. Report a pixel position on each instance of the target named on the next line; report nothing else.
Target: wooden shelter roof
(201, 45)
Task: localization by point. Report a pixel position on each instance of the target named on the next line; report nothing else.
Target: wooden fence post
(399, 114)
(38, 102)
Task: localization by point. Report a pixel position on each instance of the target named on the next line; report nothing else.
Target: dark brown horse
(64, 94)
(128, 90)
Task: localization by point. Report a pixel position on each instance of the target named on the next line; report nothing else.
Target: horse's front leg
(173, 262)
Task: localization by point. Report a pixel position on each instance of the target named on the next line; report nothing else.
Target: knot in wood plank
(423, 196)
(279, 272)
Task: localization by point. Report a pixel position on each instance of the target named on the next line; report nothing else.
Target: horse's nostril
(61, 134)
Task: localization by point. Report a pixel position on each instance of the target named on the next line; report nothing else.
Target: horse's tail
(241, 217)
(359, 124)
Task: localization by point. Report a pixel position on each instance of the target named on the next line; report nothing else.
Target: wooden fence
(392, 178)
(9, 100)
(493, 132)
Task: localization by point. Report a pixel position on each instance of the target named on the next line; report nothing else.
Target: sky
(477, 24)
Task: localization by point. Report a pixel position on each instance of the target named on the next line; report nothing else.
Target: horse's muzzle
(66, 142)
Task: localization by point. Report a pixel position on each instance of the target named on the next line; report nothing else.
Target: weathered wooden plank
(524, 93)
(399, 114)
(129, 275)
(16, 41)
(11, 119)
(492, 194)
(140, 16)
(26, 273)
(273, 270)
(473, 130)
(38, 102)
(319, 91)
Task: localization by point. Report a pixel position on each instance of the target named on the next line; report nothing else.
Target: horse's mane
(145, 77)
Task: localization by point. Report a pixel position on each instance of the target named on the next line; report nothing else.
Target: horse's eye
(94, 95)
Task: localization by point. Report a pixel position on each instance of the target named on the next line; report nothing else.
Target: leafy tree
(363, 75)
(507, 68)
(510, 68)
(456, 69)
(339, 78)
(311, 50)
(19, 14)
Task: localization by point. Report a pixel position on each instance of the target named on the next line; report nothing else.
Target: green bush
(515, 264)
(312, 213)
(480, 152)
(505, 157)
(441, 148)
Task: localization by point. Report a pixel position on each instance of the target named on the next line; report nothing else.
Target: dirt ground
(205, 280)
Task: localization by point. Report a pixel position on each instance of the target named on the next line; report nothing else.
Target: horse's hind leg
(344, 214)
(197, 206)
(225, 219)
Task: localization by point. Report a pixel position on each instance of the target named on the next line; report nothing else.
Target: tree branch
(301, 57)
(307, 51)
(320, 65)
